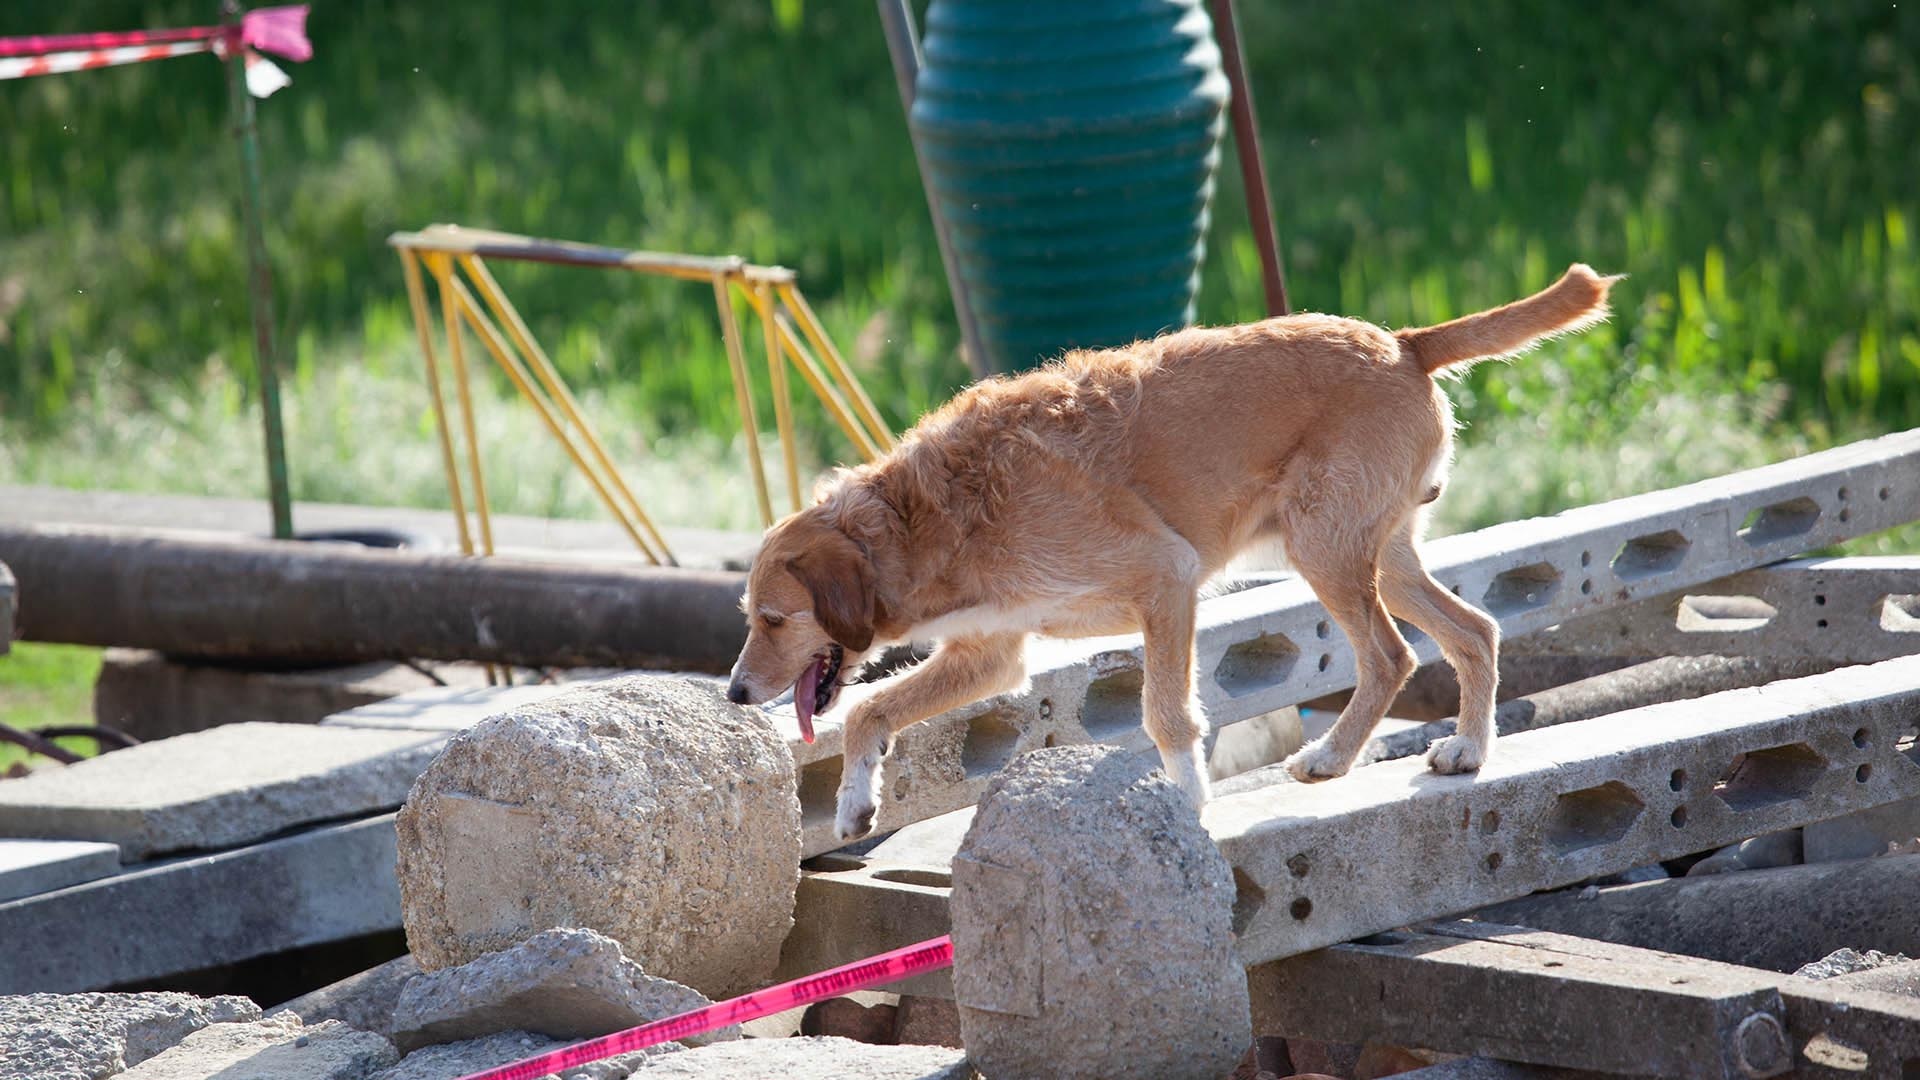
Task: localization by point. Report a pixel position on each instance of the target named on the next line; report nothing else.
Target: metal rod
(259, 275)
(34, 744)
(782, 404)
(503, 355)
(810, 323)
(417, 299)
(1253, 171)
(903, 44)
(809, 369)
(442, 268)
(549, 376)
(743, 392)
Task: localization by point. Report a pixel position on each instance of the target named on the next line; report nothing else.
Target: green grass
(42, 685)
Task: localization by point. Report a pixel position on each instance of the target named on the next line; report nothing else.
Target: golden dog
(1098, 494)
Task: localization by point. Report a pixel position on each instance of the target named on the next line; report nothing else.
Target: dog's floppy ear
(840, 578)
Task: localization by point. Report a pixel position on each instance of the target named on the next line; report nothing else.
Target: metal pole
(259, 274)
(903, 44)
(1253, 173)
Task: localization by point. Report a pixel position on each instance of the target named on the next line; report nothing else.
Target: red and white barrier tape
(278, 30)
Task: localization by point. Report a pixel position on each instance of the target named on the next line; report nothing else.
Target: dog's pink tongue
(803, 694)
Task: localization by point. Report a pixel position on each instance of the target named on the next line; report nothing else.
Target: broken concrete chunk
(365, 1001)
(449, 1061)
(85, 1036)
(1848, 962)
(570, 984)
(277, 1048)
(647, 808)
(1092, 926)
(217, 789)
(811, 1058)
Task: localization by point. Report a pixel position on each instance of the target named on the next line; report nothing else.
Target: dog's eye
(772, 621)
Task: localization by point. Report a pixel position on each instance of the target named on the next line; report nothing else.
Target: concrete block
(1393, 843)
(844, 916)
(29, 867)
(1091, 926)
(323, 885)
(365, 1001)
(1865, 833)
(821, 1058)
(151, 696)
(1272, 646)
(279, 1047)
(87, 1036)
(1523, 995)
(649, 809)
(217, 789)
(567, 983)
(1771, 919)
(1854, 610)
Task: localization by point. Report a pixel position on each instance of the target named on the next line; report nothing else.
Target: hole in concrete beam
(1113, 705)
(990, 742)
(1775, 775)
(1522, 588)
(1256, 665)
(1592, 816)
(1722, 614)
(1655, 553)
(1779, 521)
(908, 875)
(1900, 614)
(819, 791)
(1248, 899)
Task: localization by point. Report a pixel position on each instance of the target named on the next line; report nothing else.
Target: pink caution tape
(859, 975)
(278, 30)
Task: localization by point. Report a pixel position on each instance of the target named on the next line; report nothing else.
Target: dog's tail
(1575, 302)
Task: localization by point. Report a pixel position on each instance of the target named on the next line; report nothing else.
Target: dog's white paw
(1314, 762)
(1189, 773)
(859, 798)
(1455, 754)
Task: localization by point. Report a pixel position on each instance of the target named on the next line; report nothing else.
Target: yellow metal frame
(454, 256)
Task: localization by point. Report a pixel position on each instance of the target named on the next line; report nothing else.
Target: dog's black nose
(736, 693)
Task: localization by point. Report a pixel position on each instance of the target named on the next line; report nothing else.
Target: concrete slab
(1527, 996)
(809, 1058)
(216, 789)
(150, 696)
(88, 1036)
(30, 867)
(1864, 834)
(1772, 919)
(1393, 842)
(1267, 647)
(327, 884)
(442, 708)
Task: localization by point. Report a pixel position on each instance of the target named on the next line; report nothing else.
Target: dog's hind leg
(1344, 577)
(961, 670)
(1470, 638)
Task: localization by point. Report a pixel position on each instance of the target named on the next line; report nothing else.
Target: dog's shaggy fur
(1098, 494)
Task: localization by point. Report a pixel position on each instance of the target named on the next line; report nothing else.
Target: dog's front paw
(1455, 754)
(1188, 770)
(1315, 762)
(859, 799)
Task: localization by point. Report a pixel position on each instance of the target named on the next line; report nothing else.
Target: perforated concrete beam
(1272, 646)
(1852, 610)
(1393, 843)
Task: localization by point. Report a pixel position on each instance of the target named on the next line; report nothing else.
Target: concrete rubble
(822, 1058)
(450, 1061)
(365, 1001)
(87, 1036)
(564, 983)
(217, 789)
(648, 809)
(276, 1048)
(1849, 962)
(1091, 926)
